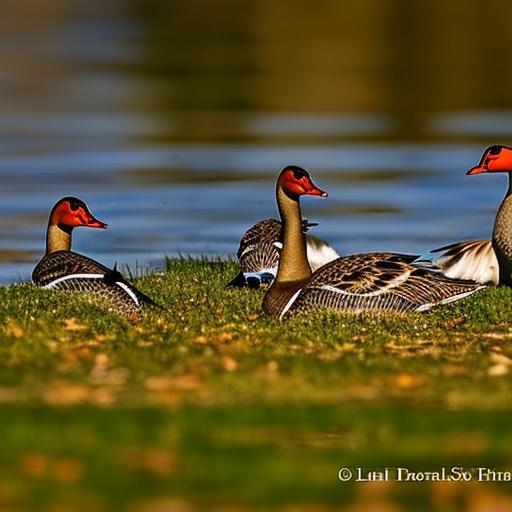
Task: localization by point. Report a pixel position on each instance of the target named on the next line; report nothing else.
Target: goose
(258, 252)
(360, 282)
(64, 270)
(485, 261)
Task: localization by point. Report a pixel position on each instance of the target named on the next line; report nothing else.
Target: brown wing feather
(258, 251)
(363, 273)
(377, 281)
(61, 264)
(268, 230)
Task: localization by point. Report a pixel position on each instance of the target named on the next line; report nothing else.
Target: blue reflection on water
(426, 201)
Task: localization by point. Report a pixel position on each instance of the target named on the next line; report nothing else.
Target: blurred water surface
(172, 118)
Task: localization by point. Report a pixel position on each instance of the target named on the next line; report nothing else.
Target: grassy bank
(210, 402)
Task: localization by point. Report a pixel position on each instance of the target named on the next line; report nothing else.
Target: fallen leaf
(159, 384)
(161, 462)
(114, 377)
(223, 337)
(71, 324)
(34, 465)
(496, 335)
(454, 322)
(407, 381)
(500, 359)
(100, 338)
(229, 364)
(498, 370)
(67, 470)
(273, 366)
(134, 318)
(101, 360)
(14, 330)
(164, 383)
(63, 393)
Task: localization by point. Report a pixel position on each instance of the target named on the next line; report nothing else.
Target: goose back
(72, 272)
(377, 282)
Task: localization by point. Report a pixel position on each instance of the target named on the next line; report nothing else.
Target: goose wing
(61, 264)
(268, 230)
(365, 273)
(377, 281)
(70, 271)
(268, 233)
(474, 260)
(258, 254)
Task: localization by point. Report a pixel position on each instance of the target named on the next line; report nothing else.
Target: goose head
(494, 159)
(296, 181)
(71, 212)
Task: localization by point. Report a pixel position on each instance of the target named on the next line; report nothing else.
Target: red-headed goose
(372, 281)
(64, 270)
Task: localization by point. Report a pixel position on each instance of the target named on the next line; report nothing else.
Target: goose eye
(298, 175)
(495, 150)
(73, 207)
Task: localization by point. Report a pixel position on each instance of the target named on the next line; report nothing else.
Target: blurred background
(171, 118)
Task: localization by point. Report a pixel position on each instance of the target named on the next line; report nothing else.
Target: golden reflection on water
(192, 59)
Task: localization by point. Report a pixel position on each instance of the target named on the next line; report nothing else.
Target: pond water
(171, 119)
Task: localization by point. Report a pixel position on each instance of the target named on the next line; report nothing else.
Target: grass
(209, 405)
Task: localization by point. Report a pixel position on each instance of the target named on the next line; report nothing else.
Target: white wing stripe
(351, 294)
(124, 286)
(129, 291)
(73, 276)
(289, 303)
(453, 298)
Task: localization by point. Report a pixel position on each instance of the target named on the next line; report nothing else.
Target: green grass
(210, 405)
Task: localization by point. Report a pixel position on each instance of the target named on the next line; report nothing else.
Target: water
(171, 120)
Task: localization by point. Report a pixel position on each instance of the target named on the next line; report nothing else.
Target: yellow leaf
(71, 324)
(15, 330)
(229, 364)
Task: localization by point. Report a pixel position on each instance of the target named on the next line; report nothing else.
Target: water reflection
(172, 118)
